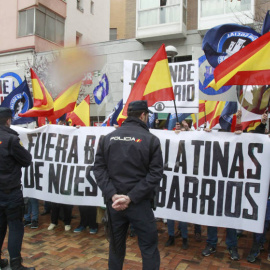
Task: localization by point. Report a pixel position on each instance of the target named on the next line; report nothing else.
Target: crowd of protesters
(89, 218)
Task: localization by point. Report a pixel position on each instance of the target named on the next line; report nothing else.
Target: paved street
(57, 249)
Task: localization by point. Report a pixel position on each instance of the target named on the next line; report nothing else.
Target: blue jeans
(260, 237)
(181, 226)
(11, 212)
(231, 237)
(32, 210)
(47, 206)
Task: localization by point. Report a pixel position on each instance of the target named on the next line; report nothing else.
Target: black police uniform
(129, 161)
(13, 156)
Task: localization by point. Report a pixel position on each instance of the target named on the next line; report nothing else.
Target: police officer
(128, 167)
(13, 156)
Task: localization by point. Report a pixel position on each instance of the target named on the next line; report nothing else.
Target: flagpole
(175, 111)
(172, 52)
(205, 115)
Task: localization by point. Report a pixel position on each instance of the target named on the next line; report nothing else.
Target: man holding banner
(128, 169)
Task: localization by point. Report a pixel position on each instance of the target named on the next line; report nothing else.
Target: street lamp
(171, 51)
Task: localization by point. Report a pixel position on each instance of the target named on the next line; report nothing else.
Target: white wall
(93, 27)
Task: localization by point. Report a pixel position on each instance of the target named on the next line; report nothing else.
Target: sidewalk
(57, 250)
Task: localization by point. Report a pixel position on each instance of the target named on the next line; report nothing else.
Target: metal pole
(172, 58)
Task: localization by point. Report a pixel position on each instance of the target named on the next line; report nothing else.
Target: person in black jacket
(13, 156)
(128, 167)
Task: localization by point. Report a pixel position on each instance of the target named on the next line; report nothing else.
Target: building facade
(131, 30)
(180, 23)
(33, 28)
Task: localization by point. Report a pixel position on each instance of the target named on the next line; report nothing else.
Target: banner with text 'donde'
(185, 81)
(218, 178)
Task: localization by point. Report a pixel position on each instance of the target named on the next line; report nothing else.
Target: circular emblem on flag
(208, 76)
(232, 42)
(19, 104)
(256, 97)
(159, 106)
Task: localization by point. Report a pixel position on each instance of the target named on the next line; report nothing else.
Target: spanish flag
(209, 111)
(248, 66)
(154, 82)
(66, 101)
(252, 125)
(43, 102)
(121, 118)
(81, 115)
(216, 113)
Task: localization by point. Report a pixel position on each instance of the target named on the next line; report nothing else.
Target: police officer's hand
(120, 202)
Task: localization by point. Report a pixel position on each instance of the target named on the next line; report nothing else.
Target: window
(41, 22)
(113, 33)
(184, 12)
(80, 5)
(220, 7)
(26, 22)
(153, 12)
(92, 7)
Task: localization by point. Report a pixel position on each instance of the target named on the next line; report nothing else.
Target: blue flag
(226, 116)
(172, 120)
(19, 101)
(152, 119)
(117, 109)
(102, 89)
(224, 40)
(266, 23)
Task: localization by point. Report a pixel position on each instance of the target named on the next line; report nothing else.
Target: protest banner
(185, 81)
(218, 178)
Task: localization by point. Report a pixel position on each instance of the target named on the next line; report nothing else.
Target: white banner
(185, 81)
(218, 178)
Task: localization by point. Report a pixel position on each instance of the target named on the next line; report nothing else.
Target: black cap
(5, 112)
(138, 105)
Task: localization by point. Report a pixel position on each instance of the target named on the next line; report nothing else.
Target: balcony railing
(159, 15)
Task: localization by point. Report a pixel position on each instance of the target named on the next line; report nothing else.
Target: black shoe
(185, 243)
(27, 223)
(170, 241)
(254, 253)
(208, 250)
(45, 213)
(34, 224)
(16, 264)
(234, 253)
(3, 263)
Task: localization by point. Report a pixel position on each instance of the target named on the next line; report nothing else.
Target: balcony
(215, 12)
(160, 20)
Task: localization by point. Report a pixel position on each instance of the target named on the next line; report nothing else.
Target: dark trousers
(67, 209)
(88, 216)
(142, 218)
(11, 213)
